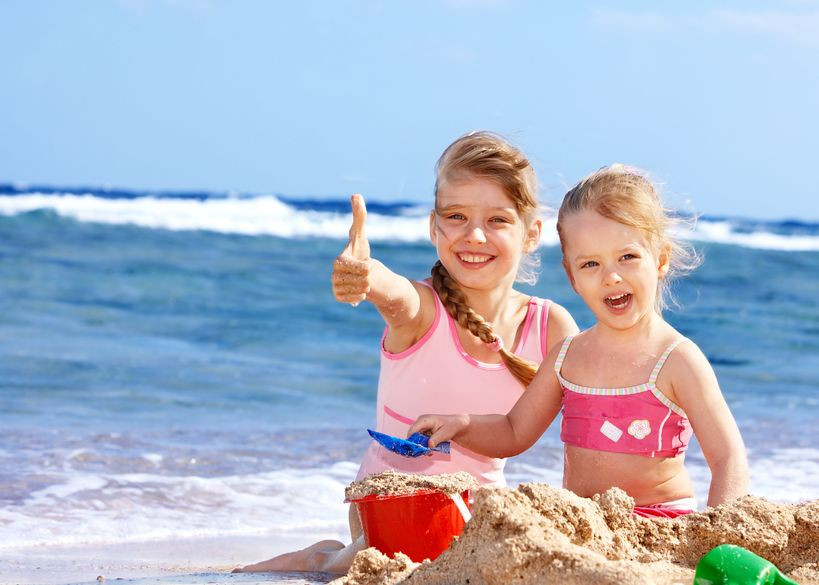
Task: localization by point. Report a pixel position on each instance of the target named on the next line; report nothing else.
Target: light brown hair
(487, 155)
(628, 196)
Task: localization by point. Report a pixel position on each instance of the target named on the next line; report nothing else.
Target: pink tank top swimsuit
(436, 375)
(639, 420)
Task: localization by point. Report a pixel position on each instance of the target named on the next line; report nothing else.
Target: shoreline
(562, 535)
(178, 562)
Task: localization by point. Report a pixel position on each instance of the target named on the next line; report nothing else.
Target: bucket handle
(459, 503)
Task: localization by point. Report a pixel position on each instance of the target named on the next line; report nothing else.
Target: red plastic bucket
(421, 525)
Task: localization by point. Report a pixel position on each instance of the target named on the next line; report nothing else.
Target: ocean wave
(111, 508)
(762, 236)
(106, 508)
(271, 215)
(264, 215)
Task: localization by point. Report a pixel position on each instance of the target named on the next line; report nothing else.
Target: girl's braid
(454, 301)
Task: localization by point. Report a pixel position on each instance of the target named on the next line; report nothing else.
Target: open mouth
(620, 301)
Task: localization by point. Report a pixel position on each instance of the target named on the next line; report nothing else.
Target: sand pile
(393, 483)
(538, 533)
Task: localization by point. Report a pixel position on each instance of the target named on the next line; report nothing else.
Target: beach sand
(394, 483)
(535, 533)
(161, 562)
(538, 533)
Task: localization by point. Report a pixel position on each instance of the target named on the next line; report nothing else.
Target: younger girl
(446, 338)
(632, 388)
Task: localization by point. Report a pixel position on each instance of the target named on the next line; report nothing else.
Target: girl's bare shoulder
(687, 371)
(561, 322)
(400, 338)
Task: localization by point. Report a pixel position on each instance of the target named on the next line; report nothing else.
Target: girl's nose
(612, 277)
(475, 235)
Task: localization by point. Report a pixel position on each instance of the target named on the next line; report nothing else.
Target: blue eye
(589, 264)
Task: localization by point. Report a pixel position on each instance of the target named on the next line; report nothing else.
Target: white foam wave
(264, 215)
(785, 475)
(115, 508)
(722, 232)
(268, 215)
(104, 508)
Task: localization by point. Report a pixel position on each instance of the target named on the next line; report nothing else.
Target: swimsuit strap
(661, 362)
(562, 354)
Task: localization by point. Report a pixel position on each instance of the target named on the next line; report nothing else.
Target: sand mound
(537, 533)
(372, 567)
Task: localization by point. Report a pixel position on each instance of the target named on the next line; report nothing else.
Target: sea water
(173, 365)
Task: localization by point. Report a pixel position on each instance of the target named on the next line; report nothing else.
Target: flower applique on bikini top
(639, 420)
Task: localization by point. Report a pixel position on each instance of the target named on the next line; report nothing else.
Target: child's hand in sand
(439, 427)
(351, 270)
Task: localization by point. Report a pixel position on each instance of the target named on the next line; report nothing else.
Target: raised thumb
(359, 246)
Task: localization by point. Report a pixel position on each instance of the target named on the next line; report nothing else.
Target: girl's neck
(642, 331)
(493, 305)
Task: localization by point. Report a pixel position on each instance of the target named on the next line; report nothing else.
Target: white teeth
(617, 298)
(473, 258)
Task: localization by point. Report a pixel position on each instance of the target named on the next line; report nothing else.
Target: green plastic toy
(729, 564)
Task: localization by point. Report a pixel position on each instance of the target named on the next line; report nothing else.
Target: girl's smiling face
(614, 267)
(478, 233)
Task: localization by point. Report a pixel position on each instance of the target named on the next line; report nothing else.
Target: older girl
(464, 339)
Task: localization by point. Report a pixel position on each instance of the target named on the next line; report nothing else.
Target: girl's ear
(664, 261)
(433, 233)
(532, 236)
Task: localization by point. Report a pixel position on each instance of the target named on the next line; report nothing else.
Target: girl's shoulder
(429, 298)
(679, 347)
(686, 370)
(399, 339)
(688, 375)
(685, 355)
(558, 324)
(560, 340)
(423, 285)
(559, 314)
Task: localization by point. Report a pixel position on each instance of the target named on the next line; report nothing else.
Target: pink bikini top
(639, 420)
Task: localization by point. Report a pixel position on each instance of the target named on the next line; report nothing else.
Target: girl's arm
(358, 277)
(697, 391)
(498, 435)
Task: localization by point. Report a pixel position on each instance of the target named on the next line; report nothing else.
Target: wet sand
(161, 562)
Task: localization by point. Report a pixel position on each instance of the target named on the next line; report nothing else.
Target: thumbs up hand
(358, 246)
(351, 270)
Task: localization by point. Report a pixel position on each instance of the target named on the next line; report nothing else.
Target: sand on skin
(538, 532)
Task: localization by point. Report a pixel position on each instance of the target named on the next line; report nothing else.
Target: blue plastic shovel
(413, 446)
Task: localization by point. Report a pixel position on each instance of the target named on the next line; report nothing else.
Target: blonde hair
(628, 196)
(489, 156)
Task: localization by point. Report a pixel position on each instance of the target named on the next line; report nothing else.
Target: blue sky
(322, 99)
